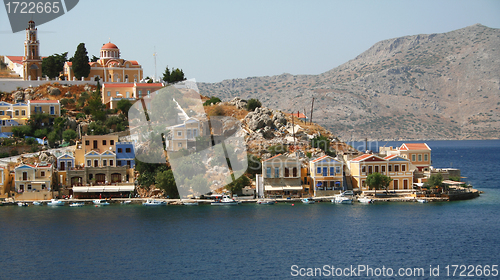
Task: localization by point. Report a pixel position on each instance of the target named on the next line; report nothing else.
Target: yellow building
(114, 92)
(184, 135)
(20, 112)
(4, 180)
(109, 67)
(50, 107)
(104, 159)
(33, 178)
(419, 154)
(326, 175)
(97, 143)
(365, 165)
(282, 177)
(398, 169)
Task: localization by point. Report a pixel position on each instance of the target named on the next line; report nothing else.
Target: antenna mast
(154, 55)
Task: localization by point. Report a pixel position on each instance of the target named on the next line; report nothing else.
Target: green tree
(52, 138)
(124, 105)
(252, 104)
(173, 76)
(378, 181)
(254, 165)
(69, 135)
(237, 185)
(21, 131)
(165, 180)
(277, 149)
(81, 66)
(94, 58)
(322, 142)
(435, 180)
(53, 65)
(212, 100)
(97, 128)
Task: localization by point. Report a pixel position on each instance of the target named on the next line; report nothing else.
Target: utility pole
(154, 55)
(312, 109)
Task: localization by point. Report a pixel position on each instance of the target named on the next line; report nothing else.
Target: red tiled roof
(391, 156)
(134, 62)
(43, 101)
(15, 59)
(362, 157)
(149, 85)
(320, 158)
(299, 115)
(414, 146)
(115, 85)
(109, 46)
(273, 157)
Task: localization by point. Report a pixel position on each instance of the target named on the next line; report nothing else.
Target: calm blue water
(255, 242)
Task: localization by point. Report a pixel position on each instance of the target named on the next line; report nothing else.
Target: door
(100, 178)
(396, 184)
(325, 171)
(25, 176)
(95, 144)
(405, 184)
(63, 165)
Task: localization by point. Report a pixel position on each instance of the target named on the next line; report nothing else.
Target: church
(109, 67)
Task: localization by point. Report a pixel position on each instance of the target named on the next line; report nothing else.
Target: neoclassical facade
(109, 67)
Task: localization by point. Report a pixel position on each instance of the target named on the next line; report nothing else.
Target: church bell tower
(32, 62)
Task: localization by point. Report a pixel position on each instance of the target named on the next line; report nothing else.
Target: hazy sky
(216, 40)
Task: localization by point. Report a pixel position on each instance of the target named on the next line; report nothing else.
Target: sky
(216, 40)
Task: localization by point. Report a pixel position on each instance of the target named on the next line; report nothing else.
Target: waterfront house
(282, 176)
(33, 177)
(183, 136)
(4, 180)
(419, 154)
(326, 175)
(97, 143)
(364, 165)
(398, 168)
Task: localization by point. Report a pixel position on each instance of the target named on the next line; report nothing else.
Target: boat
(365, 199)
(23, 204)
(77, 204)
(126, 202)
(343, 198)
(55, 202)
(154, 202)
(100, 202)
(266, 201)
(190, 203)
(308, 201)
(224, 200)
(37, 203)
(422, 200)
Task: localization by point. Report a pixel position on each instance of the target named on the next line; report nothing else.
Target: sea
(448, 240)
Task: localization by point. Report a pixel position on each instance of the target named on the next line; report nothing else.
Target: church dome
(109, 46)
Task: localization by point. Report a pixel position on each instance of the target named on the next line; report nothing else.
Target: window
(419, 157)
(87, 142)
(127, 94)
(104, 142)
(413, 158)
(318, 170)
(363, 169)
(294, 170)
(390, 167)
(403, 167)
(119, 150)
(332, 171)
(17, 113)
(117, 93)
(268, 172)
(426, 157)
(69, 164)
(149, 92)
(128, 163)
(29, 187)
(52, 110)
(179, 133)
(111, 142)
(337, 170)
(325, 171)
(179, 145)
(104, 162)
(287, 172)
(127, 150)
(109, 93)
(370, 169)
(140, 93)
(118, 163)
(376, 168)
(396, 167)
(43, 186)
(2, 113)
(96, 163)
(89, 163)
(23, 112)
(111, 162)
(42, 173)
(276, 172)
(383, 168)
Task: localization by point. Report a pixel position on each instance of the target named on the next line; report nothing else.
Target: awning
(271, 188)
(292, 188)
(126, 188)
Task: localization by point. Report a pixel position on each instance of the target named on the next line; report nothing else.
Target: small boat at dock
(225, 200)
(266, 201)
(422, 200)
(23, 204)
(37, 203)
(77, 204)
(190, 203)
(100, 202)
(55, 202)
(308, 201)
(154, 202)
(126, 202)
(365, 199)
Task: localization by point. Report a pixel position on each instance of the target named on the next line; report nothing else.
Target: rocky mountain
(436, 86)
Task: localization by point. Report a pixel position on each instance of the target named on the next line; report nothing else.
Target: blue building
(125, 154)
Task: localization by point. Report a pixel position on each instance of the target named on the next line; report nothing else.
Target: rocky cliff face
(437, 86)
